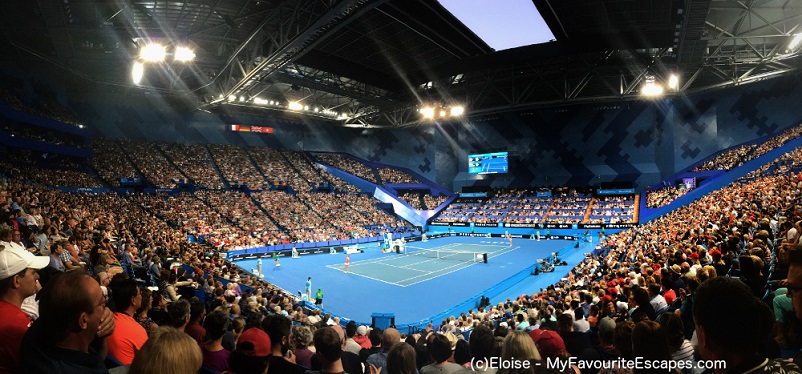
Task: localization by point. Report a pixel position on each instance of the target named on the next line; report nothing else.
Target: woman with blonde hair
(519, 346)
(168, 351)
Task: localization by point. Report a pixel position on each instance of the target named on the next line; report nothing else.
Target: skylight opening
(502, 24)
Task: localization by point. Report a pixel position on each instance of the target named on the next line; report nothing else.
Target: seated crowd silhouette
(99, 282)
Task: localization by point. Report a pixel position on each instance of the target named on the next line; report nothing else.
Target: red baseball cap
(548, 343)
(254, 342)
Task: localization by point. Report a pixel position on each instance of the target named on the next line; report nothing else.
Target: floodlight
(294, 105)
(232, 97)
(242, 99)
(427, 112)
(184, 54)
(137, 71)
(443, 112)
(795, 41)
(457, 110)
(651, 89)
(673, 82)
(152, 53)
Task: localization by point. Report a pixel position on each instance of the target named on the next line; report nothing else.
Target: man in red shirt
(128, 336)
(18, 277)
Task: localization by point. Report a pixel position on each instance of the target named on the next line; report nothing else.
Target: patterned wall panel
(572, 145)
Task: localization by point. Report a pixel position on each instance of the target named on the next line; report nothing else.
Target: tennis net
(451, 255)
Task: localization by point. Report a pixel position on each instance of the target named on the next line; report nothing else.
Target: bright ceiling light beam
(137, 72)
(184, 54)
(457, 110)
(673, 82)
(294, 105)
(795, 41)
(651, 89)
(427, 112)
(152, 53)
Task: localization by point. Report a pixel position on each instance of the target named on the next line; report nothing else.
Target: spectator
(605, 350)
(196, 313)
(158, 310)
(481, 348)
(253, 353)
(302, 339)
(680, 348)
(328, 347)
(722, 303)
(129, 336)
(168, 351)
(215, 356)
(361, 337)
(142, 313)
(350, 361)
(650, 342)
(442, 355)
(379, 360)
(278, 329)
(18, 280)
(575, 342)
(71, 332)
(179, 314)
(518, 345)
(400, 360)
(550, 346)
(351, 332)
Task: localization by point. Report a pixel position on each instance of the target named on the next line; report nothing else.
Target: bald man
(379, 360)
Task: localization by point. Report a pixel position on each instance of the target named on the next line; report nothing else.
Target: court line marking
(384, 281)
(426, 273)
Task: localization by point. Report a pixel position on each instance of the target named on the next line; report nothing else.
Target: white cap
(15, 260)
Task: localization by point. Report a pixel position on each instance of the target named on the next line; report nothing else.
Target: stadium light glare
(457, 110)
(427, 112)
(795, 41)
(137, 72)
(152, 53)
(651, 89)
(294, 105)
(183, 54)
(673, 82)
(232, 97)
(242, 99)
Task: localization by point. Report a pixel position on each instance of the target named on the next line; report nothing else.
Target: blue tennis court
(414, 287)
(421, 264)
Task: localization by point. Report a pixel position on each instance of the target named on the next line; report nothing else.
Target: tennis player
(347, 262)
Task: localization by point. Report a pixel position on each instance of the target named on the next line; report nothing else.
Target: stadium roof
(377, 61)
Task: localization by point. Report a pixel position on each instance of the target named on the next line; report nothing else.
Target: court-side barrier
(473, 301)
(308, 248)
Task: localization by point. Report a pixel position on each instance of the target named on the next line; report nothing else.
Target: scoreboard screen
(488, 163)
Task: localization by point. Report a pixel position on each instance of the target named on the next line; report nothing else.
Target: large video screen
(488, 163)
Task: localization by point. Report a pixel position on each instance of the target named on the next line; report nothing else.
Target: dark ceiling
(378, 60)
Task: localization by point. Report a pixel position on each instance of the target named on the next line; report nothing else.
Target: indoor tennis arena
(400, 186)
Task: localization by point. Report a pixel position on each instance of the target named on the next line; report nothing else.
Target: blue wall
(641, 141)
